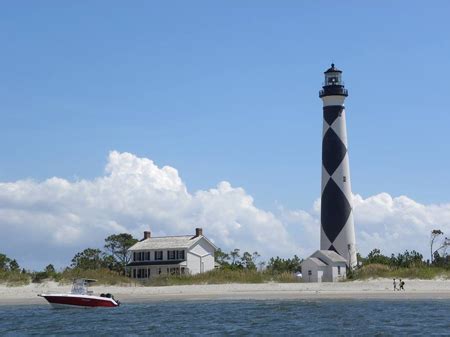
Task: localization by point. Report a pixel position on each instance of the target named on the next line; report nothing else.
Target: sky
(122, 116)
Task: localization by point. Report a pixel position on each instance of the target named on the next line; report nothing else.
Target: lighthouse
(337, 230)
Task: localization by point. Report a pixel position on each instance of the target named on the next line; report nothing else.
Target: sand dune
(371, 289)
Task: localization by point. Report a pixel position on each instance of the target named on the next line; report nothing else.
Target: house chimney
(147, 235)
(198, 232)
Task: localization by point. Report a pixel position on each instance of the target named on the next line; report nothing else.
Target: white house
(324, 266)
(175, 255)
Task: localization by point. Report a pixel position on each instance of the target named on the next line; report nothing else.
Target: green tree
(14, 266)
(278, 265)
(222, 258)
(375, 256)
(4, 262)
(89, 258)
(438, 260)
(407, 259)
(234, 255)
(117, 245)
(248, 260)
(50, 270)
(435, 233)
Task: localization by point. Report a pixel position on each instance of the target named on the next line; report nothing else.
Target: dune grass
(14, 279)
(222, 276)
(103, 276)
(384, 271)
(217, 276)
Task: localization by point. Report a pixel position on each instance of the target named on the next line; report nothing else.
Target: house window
(339, 270)
(134, 272)
(147, 256)
(180, 254)
(142, 273)
(171, 254)
(134, 256)
(158, 255)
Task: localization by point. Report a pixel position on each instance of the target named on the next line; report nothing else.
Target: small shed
(324, 266)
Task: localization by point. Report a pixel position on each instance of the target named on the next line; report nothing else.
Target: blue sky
(227, 90)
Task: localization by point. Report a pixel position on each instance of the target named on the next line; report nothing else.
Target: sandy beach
(371, 289)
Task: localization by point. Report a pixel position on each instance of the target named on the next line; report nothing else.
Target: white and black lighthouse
(337, 225)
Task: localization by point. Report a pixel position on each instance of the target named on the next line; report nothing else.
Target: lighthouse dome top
(333, 84)
(332, 69)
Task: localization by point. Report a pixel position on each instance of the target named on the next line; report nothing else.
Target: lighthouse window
(332, 80)
(344, 178)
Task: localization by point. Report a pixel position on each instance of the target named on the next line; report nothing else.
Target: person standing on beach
(402, 283)
(395, 285)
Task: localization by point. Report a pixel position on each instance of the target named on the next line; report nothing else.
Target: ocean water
(237, 318)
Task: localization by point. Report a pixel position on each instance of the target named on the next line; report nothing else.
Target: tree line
(249, 261)
(114, 257)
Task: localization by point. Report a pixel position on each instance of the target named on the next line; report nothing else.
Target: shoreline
(379, 289)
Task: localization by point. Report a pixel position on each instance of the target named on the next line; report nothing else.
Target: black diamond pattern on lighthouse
(330, 113)
(332, 248)
(335, 210)
(333, 151)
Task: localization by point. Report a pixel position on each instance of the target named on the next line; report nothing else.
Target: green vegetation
(117, 246)
(234, 261)
(384, 271)
(102, 275)
(108, 267)
(407, 265)
(222, 276)
(278, 265)
(10, 272)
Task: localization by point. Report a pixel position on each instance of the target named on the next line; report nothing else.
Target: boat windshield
(80, 286)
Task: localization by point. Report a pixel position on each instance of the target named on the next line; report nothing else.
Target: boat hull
(82, 301)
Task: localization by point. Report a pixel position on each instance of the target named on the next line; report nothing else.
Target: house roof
(317, 262)
(155, 263)
(330, 255)
(169, 242)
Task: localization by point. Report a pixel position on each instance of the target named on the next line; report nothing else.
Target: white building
(324, 266)
(175, 255)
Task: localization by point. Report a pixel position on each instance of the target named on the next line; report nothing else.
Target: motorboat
(81, 296)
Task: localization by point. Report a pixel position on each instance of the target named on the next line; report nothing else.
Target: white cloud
(397, 224)
(49, 221)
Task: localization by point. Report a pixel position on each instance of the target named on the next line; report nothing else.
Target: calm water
(214, 318)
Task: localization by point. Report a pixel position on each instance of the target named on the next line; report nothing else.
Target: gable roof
(329, 256)
(316, 261)
(169, 242)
